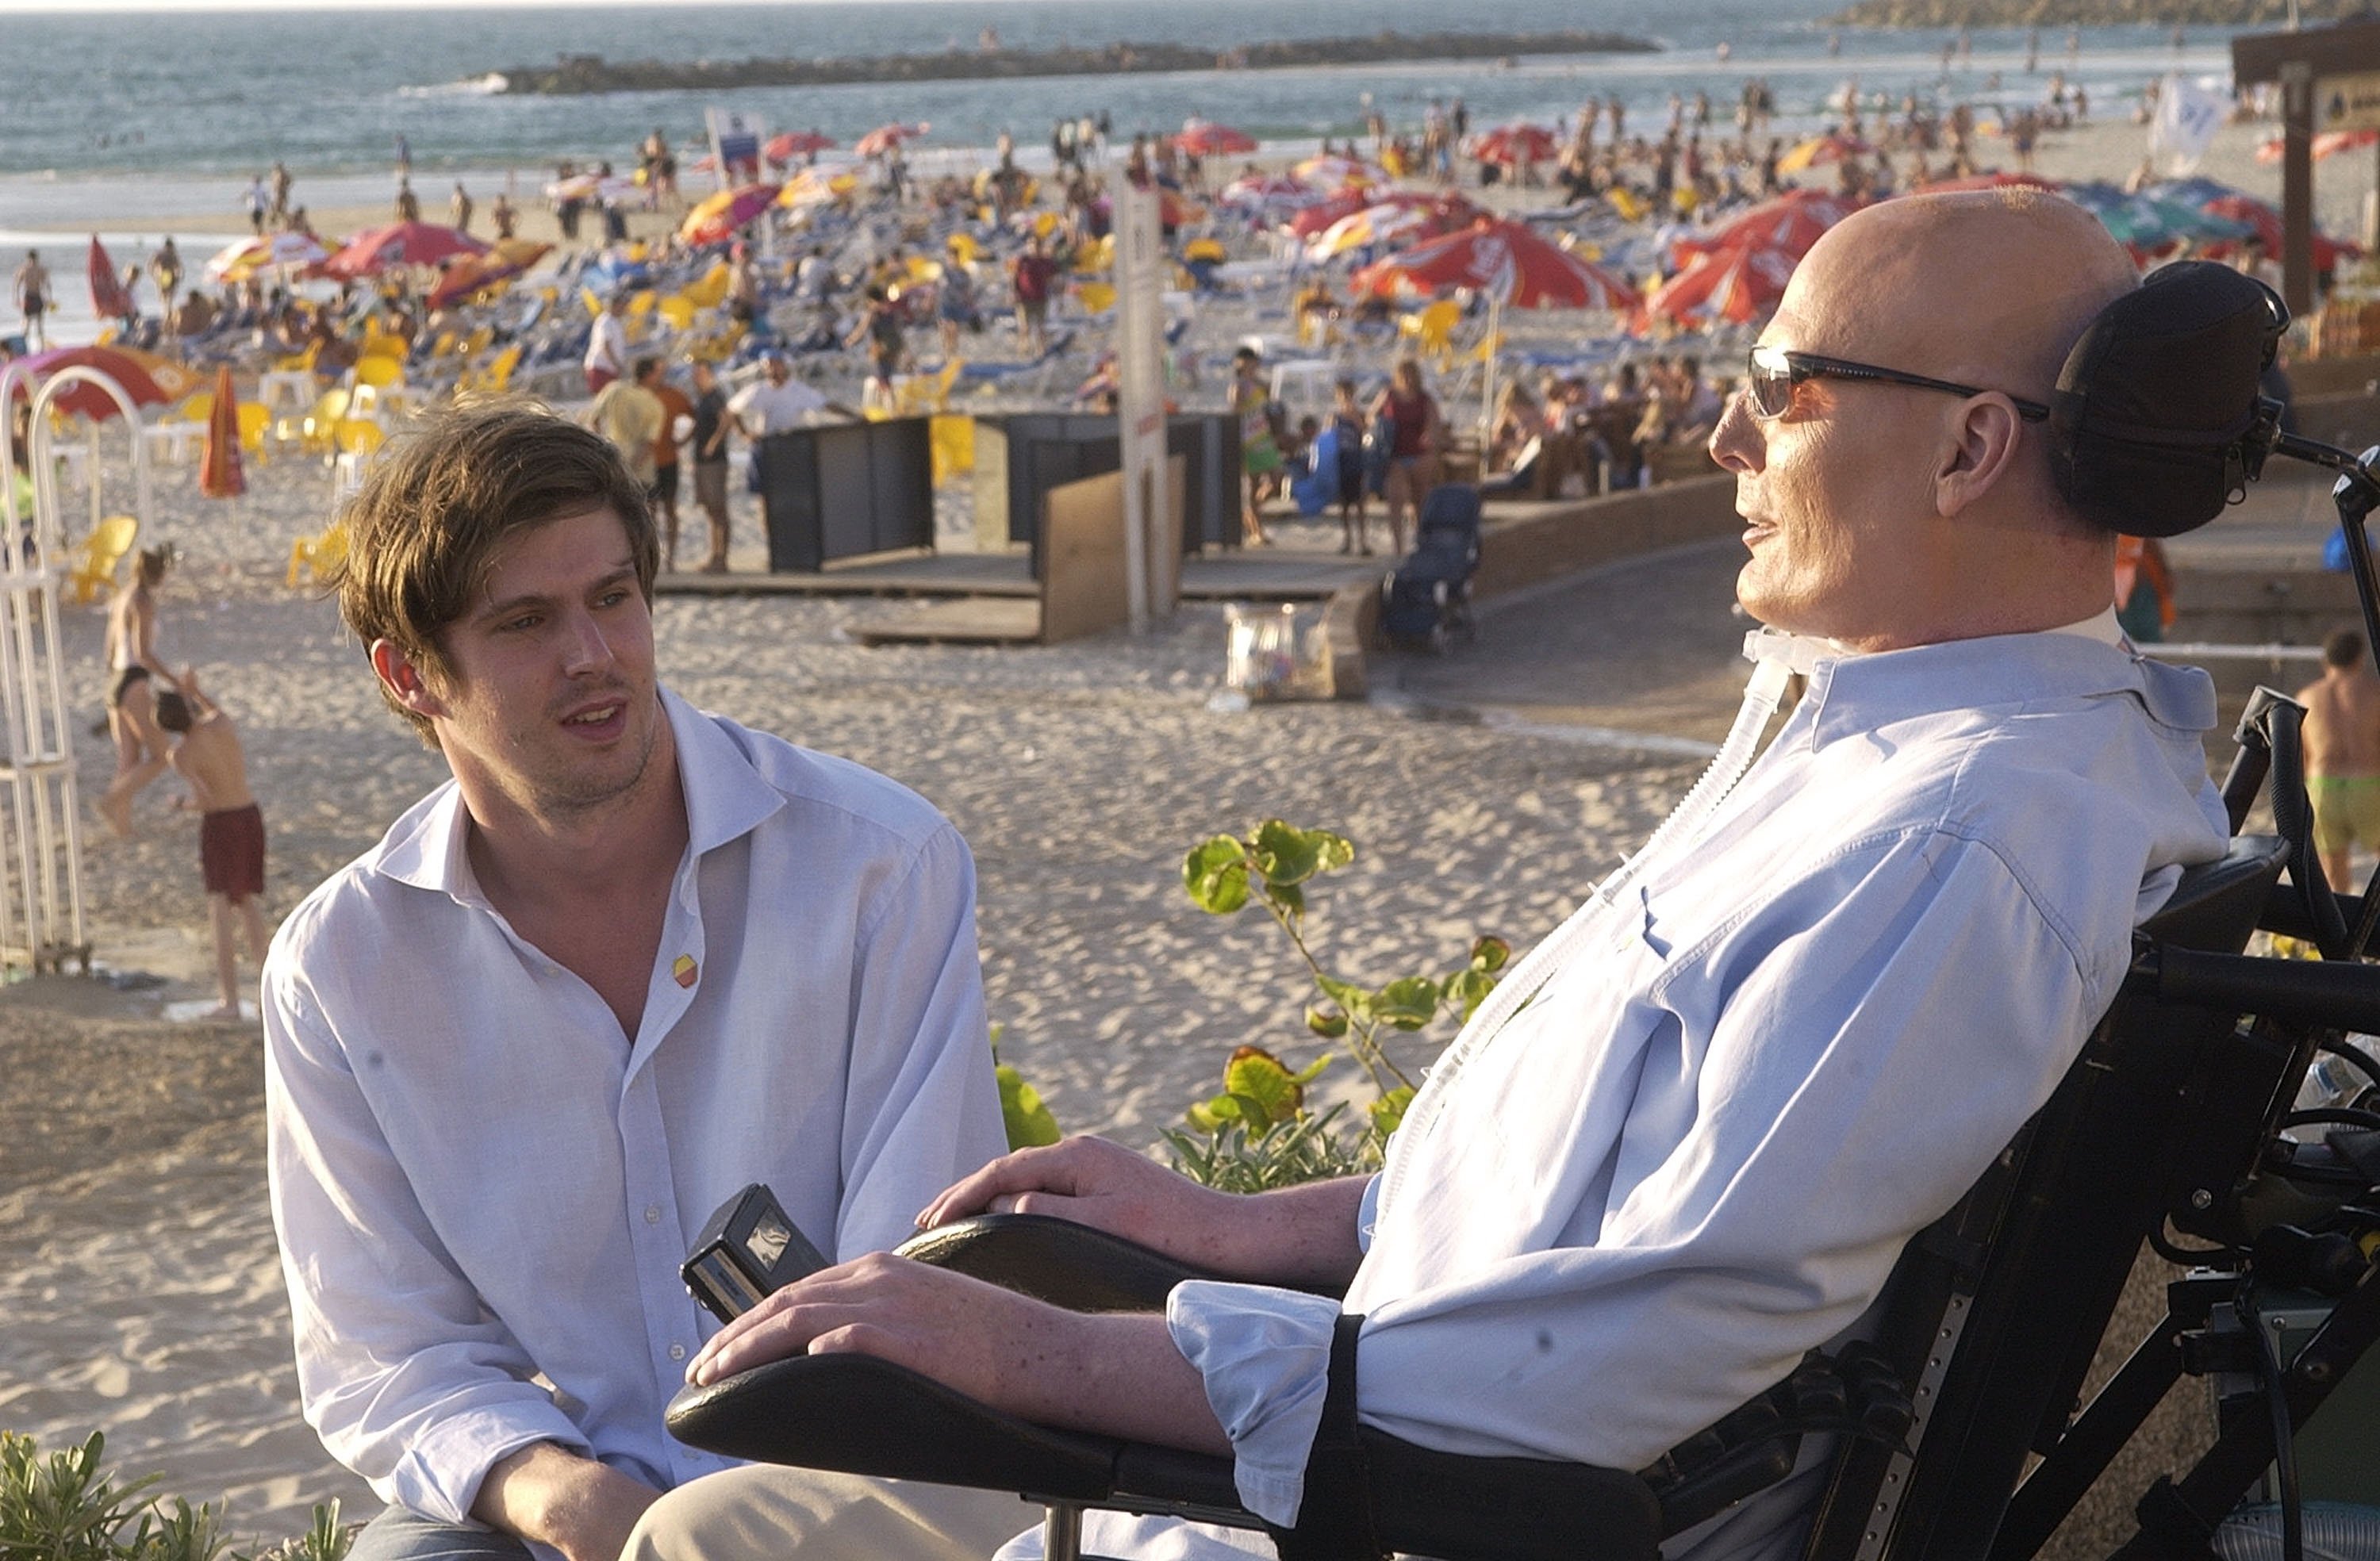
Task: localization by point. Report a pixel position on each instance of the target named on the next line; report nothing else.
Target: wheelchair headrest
(2148, 424)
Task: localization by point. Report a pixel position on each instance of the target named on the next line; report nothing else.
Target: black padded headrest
(2146, 424)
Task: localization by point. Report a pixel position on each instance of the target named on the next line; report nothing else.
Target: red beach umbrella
(1505, 260)
(108, 299)
(219, 471)
(1320, 217)
(470, 273)
(719, 218)
(1515, 144)
(1204, 140)
(87, 399)
(2328, 251)
(1791, 223)
(888, 138)
(795, 143)
(1738, 284)
(400, 244)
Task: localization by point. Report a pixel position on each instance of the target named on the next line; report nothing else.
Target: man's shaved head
(1884, 513)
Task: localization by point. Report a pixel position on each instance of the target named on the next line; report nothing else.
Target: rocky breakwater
(2091, 13)
(579, 74)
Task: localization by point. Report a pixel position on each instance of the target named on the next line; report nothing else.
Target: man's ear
(404, 679)
(1982, 447)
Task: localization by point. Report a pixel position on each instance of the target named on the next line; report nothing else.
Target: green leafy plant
(1257, 1129)
(67, 1506)
(1028, 1121)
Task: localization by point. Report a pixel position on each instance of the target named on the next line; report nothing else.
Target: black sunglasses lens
(1771, 388)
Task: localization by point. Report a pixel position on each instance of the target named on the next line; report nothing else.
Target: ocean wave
(486, 86)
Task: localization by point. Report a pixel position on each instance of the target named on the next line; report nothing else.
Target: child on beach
(131, 649)
(231, 827)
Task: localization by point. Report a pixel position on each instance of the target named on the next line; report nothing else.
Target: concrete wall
(1527, 544)
(2334, 376)
(2349, 419)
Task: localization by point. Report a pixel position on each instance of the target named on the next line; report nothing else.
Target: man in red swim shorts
(231, 829)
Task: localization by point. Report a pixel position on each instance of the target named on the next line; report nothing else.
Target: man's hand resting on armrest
(581, 1507)
(1116, 1374)
(1298, 1236)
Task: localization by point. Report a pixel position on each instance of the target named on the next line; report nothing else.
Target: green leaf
(1467, 990)
(1286, 854)
(1216, 875)
(1388, 1112)
(1407, 1004)
(1488, 954)
(1353, 1001)
(1325, 1019)
(1288, 896)
(1028, 1121)
(1257, 1080)
(1211, 1116)
(1313, 1070)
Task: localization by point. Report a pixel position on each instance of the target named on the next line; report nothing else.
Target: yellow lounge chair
(100, 554)
(320, 555)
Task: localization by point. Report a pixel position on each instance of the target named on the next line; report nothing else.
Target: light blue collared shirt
(478, 1179)
(1796, 1040)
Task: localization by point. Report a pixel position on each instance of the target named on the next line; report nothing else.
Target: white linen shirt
(1797, 1039)
(762, 408)
(482, 1186)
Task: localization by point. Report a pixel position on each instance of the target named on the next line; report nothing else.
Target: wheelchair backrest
(1994, 1312)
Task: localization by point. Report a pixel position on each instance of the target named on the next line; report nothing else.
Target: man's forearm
(1306, 1235)
(554, 1496)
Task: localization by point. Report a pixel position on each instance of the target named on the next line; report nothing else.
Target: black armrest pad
(1054, 1260)
(865, 1416)
(861, 1415)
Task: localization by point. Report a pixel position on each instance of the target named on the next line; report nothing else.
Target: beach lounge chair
(92, 572)
(318, 556)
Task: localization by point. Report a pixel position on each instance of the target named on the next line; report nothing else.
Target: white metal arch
(41, 923)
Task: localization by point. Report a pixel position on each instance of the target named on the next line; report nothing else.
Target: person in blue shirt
(1780, 1040)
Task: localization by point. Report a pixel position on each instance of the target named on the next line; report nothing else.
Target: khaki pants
(762, 1512)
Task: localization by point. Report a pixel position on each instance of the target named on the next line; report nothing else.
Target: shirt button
(677, 1351)
(652, 1214)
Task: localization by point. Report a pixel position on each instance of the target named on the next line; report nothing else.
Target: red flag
(219, 473)
(108, 299)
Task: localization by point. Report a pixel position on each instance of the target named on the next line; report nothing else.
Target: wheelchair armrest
(1055, 1260)
(860, 1415)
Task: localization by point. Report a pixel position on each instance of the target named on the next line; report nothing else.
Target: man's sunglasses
(1774, 371)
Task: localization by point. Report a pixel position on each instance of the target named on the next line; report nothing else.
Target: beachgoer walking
(709, 444)
(459, 207)
(880, 327)
(280, 210)
(1408, 415)
(677, 413)
(1260, 457)
(130, 646)
(231, 827)
(408, 205)
(1032, 274)
(34, 297)
(1347, 427)
(628, 413)
(404, 156)
(259, 203)
(2342, 754)
(165, 270)
(501, 214)
(607, 347)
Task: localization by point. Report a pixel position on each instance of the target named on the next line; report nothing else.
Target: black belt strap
(1334, 1520)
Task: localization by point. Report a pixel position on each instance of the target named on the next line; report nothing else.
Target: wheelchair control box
(747, 1250)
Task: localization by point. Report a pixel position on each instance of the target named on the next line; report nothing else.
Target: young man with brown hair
(629, 959)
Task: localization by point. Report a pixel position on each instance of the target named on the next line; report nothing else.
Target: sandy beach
(139, 1285)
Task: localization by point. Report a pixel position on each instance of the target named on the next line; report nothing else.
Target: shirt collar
(725, 798)
(1849, 694)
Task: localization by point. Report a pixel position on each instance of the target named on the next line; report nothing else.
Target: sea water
(144, 116)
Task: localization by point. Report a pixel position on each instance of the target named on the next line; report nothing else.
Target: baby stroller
(1427, 599)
